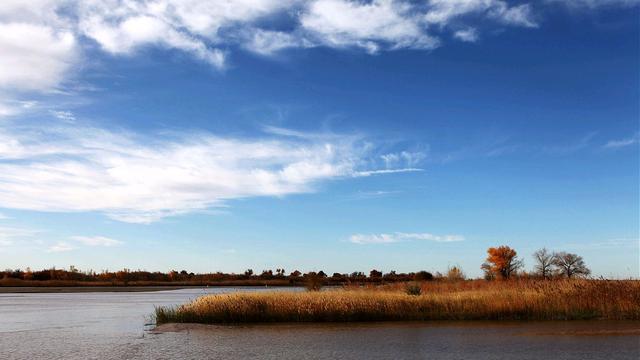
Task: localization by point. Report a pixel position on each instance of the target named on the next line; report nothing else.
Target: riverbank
(85, 289)
(474, 300)
(58, 286)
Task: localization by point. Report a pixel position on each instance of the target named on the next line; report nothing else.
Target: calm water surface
(115, 326)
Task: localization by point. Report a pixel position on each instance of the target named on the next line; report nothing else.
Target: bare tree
(544, 263)
(570, 264)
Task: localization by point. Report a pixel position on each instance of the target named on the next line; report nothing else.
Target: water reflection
(112, 326)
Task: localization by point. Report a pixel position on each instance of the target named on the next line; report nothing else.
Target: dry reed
(465, 300)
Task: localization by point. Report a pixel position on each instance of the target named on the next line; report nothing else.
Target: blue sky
(326, 135)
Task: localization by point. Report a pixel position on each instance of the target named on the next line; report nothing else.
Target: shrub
(413, 289)
(455, 273)
(423, 276)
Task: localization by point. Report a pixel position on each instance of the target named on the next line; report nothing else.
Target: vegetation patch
(570, 299)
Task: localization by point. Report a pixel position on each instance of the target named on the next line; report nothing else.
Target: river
(118, 326)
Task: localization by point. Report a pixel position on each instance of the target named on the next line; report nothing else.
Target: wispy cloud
(442, 12)
(136, 178)
(616, 144)
(400, 236)
(467, 35)
(9, 235)
(619, 243)
(97, 241)
(60, 246)
(9, 107)
(375, 194)
(570, 147)
(384, 171)
(593, 4)
(409, 158)
(66, 116)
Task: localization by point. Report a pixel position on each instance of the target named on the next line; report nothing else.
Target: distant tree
(455, 273)
(313, 281)
(322, 274)
(391, 275)
(248, 272)
(173, 275)
(570, 265)
(423, 276)
(124, 275)
(543, 263)
(295, 273)
(28, 274)
(375, 274)
(502, 262)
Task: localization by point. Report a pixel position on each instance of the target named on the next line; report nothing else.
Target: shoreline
(135, 288)
(615, 327)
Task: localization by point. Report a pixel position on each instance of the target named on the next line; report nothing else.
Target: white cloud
(40, 40)
(466, 35)
(266, 42)
(60, 246)
(442, 12)
(34, 57)
(373, 26)
(4, 217)
(400, 236)
(615, 144)
(136, 31)
(96, 241)
(141, 179)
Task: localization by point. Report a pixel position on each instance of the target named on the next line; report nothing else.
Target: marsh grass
(466, 300)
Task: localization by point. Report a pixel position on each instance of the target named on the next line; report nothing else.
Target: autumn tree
(502, 262)
(543, 263)
(570, 265)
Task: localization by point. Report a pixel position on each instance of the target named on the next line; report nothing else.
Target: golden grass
(467, 300)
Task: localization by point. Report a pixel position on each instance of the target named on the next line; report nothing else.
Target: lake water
(115, 326)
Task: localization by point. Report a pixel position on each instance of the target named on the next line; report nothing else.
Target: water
(112, 326)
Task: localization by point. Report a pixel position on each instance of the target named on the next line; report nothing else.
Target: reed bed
(465, 300)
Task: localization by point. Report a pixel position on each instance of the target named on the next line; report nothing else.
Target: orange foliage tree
(501, 263)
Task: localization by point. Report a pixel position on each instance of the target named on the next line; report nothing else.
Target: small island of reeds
(570, 299)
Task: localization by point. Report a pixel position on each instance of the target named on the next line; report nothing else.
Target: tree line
(502, 263)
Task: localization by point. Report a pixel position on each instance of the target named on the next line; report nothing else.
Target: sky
(328, 135)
